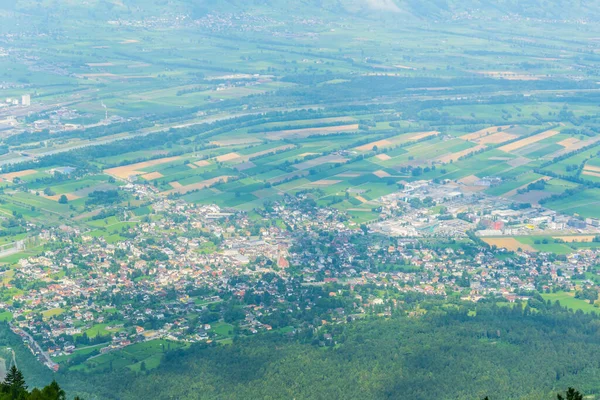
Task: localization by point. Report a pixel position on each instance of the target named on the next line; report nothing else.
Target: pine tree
(572, 394)
(54, 392)
(15, 382)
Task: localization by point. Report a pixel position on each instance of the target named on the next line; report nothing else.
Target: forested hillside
(505, 352)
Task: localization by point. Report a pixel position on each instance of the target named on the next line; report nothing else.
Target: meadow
(568, 300)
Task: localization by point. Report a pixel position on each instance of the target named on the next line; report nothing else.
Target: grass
(513, 184)
(222, 329)
(14, 258)
(583, 203)
(150, 353)
(6, 316)
(53, 312)
(567, 299)
(550, 247)
(85, 351)
(99, 329)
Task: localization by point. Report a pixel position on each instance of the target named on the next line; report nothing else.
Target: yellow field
(175, 184)
(361, 199)
(469, 180)
(579, 238)
(496, 138)
(202, 163)
(418, 136)
(196, 186)
(510, 244)
(591, 173)
(591, 168)
(12, 175)
(126, 171)
(381, 174)
(578, 145)
(383, 157)
(527, 141)
(152, 175)
(369, 146)
(455, 156)
(569, 143)
(227, 157)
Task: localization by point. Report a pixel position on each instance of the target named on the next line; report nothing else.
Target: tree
(572, 394)
(63, 199)
(52, 391)
(14, 382)
(14, 388)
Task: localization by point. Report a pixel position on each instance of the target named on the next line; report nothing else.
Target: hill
(451, 352)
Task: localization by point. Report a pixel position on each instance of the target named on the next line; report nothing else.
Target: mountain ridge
(428, 9)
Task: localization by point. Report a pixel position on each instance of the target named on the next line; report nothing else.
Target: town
(189, 273)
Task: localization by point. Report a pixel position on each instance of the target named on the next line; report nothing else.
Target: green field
(568, 300)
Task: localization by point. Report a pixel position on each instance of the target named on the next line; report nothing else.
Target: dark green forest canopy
(518, 352)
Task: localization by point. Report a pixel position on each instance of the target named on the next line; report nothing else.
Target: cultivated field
(127, 171)
(183, 189)
(304, 133)
(527, 141)
(484, 133)
(379, 144)
(457, 155)
(12, 175)
(510, 244)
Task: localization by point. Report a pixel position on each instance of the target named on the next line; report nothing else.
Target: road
(35, 347)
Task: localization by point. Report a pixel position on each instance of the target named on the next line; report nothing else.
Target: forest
(447, 351)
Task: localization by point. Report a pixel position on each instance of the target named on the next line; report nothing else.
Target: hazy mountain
(425, 9)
